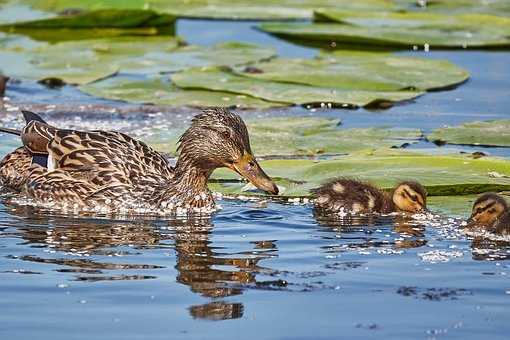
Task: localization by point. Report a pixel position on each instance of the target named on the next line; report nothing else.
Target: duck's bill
(248, 168)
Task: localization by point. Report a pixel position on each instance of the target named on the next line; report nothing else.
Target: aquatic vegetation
(485, 133)
(159, 90)
(357, 70)
(397, 30)
(86, 61)
(295, 136)
(442, 175)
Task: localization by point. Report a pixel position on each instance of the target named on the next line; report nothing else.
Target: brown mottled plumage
(110, 171)
(352, 196)
(490, 212)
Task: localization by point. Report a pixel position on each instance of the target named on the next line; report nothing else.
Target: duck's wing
(92, 167)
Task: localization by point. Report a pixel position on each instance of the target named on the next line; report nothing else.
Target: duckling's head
(487, 209)
(410, 197)
(219, 138)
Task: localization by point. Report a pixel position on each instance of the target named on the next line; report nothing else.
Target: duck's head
(487, 209)
(219, 138)
(410, 197)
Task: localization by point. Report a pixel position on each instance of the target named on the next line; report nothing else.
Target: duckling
(490, 212)
(110, 171)
(3, 84)
(358, 197)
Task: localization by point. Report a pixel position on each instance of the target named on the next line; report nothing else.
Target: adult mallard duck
(110, 171)
(490, 212)
(352, 196)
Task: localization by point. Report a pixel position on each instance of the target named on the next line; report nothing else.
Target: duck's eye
(225, 134)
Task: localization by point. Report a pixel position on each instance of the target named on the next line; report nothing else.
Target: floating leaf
(84, 61)
(221, 9)
(443, 175)
(214, 79)
(362, 70)
(105, 18)
(398, 30)
(159, 91)
(495, 7)
(488, 133)
(305, 136)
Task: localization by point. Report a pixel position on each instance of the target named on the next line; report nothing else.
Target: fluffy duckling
(110, 171)
(490, 212)
(358, 197)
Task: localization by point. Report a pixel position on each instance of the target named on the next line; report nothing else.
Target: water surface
(256, 269)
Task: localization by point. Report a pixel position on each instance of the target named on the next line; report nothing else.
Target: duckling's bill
(250, 169)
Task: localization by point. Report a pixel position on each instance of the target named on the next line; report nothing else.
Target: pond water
(258, 269)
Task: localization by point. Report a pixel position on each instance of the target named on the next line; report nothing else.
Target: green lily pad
(221, 9)
(488, 133)
(104, 18)
(397, 30)
(443, 175)
(215, 79)
(362, 70)
(157, 90)
(284, 136)
(81, 62)
(495, 7)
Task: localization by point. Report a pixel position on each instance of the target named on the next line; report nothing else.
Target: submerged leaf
(214, 79)
(488, 133)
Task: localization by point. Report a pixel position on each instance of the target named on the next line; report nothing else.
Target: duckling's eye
(492, 211)
(252, 164)
(414, 198)
(478, 210)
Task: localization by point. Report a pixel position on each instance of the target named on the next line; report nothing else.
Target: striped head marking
(487, 209)
(410, 197)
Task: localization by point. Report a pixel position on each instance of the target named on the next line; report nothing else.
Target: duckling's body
(490, 212)
(110, 171)
(352, 196)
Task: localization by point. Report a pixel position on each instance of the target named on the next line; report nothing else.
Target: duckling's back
(503, 224)
(352, 196)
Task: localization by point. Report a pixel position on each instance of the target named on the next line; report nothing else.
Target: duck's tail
(11, 131)
(29, 116)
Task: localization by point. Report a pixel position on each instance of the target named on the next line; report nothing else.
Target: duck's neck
(188, 188)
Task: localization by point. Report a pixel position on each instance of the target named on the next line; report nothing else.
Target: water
(257, 269)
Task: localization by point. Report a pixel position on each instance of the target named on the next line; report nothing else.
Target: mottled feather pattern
(352, 196)
(110, 171)
(14, 169)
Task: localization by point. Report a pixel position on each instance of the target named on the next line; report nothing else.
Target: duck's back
(353, 196)
(84, 168)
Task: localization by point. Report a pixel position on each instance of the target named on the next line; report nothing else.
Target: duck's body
(110, 171)
(352, 196)
(491, 213)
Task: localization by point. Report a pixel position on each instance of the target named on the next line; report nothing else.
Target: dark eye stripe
(410, 196)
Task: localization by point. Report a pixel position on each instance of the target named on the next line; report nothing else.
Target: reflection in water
(197, 261)
(486, 249)
(359, 231)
